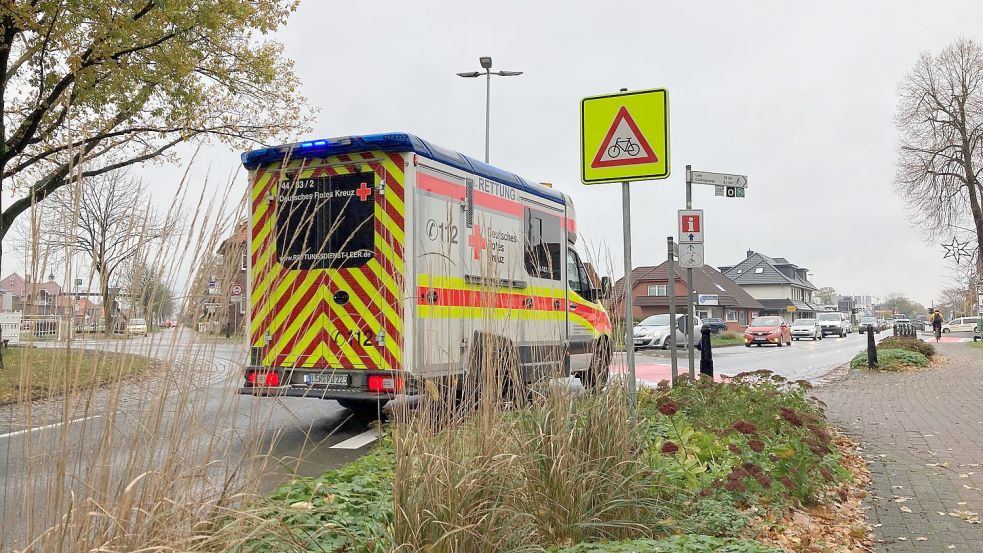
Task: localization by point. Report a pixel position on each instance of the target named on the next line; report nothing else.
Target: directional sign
(718, 179)
(690, 226)
(624, 137)
(691, 256)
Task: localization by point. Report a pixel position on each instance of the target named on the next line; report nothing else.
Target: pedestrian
(706, 352)
(937, 325)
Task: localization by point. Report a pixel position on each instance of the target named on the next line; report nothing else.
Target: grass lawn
(726, 339)
(977, 345)
(40, 372)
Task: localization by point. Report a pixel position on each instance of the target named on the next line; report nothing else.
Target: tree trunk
(107, 304)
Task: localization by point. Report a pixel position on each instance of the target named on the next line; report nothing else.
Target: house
(722, 297)
(231, 286)
(32, 298)
(783, 288)
(220, 285)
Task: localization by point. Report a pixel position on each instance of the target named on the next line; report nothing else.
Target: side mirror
(605, 287)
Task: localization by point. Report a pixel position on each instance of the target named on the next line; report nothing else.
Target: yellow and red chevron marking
(444, 297)
(294, 308)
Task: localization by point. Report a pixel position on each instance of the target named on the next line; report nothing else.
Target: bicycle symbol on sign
(623, 145)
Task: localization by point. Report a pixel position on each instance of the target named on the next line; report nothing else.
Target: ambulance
(377, 262)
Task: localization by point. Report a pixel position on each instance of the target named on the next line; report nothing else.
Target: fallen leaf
(905, 509)
(921, 538)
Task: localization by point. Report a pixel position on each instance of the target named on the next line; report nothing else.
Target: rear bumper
(303, 383)
(314, 392)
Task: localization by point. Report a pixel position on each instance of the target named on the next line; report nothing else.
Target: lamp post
(486, 64)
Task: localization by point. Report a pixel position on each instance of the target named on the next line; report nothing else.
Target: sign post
(671, 289)
(624, 137)
(691, 222)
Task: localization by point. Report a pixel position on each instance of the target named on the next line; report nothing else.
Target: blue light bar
(395, 143)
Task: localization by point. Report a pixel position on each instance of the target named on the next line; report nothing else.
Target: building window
(731, 316)
(742, 317)
(658, 290)
(245, 260)
(759, 270)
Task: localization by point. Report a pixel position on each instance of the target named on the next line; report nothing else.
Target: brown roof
(239, 236)
(706, 280)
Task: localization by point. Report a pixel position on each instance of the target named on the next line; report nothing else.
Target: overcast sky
(798, 96)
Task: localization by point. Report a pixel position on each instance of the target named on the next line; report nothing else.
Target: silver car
(653, 332)
(806, 328)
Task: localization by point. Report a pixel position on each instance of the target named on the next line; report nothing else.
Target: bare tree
(827, 295)
(109, 221)
(940, 121)
(148, 289)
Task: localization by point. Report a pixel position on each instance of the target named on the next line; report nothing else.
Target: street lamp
(486, 63)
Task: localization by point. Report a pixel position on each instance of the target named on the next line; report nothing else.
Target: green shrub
(676, 544)
(910, 344)
(754, 441)
(891, 360)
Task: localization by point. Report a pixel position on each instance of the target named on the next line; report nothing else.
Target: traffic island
(750, 465)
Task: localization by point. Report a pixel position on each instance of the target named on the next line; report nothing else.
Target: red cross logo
(477, 242)
(363, 192)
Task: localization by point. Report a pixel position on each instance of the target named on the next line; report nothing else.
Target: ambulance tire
(595, 377)
(508, 378)
(363, 408)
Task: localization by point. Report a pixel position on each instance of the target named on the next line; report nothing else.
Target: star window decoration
(956, 250)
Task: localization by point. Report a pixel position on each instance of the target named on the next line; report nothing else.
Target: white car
(834, 323)
(136, 327)
(653, 332)
(962, 324)
(806, 328)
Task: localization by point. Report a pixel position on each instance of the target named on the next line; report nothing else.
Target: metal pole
(689, 287)
(671, 288)
(629, 311)
(487, 108)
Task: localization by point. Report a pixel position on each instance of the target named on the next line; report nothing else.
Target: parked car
(136, 327)
(653, 332)
(834, 323)
(868, 323)
(962, 324)
(716, 324)
(806, 328)
(768, 330)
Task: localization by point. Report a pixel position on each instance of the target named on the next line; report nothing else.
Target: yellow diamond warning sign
(624, 137)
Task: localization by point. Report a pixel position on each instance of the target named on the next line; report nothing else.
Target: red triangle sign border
(650, 156)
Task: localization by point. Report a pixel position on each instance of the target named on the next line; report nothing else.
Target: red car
(770, 329)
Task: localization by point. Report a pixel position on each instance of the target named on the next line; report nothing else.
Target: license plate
(327, 379)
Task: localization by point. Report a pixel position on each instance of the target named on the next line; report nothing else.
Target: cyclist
(937, 325)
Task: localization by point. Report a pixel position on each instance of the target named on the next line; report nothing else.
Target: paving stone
(906, 422)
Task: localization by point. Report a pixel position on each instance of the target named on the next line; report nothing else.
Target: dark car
(869, 323)
(716, 325)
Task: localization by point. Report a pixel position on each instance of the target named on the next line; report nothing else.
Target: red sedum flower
(669, 408)
(669, 448)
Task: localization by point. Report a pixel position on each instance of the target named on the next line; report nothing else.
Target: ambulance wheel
(499, 369)
(596, 376)
(363, 408)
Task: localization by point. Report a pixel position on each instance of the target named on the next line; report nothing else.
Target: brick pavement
(922, 433)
